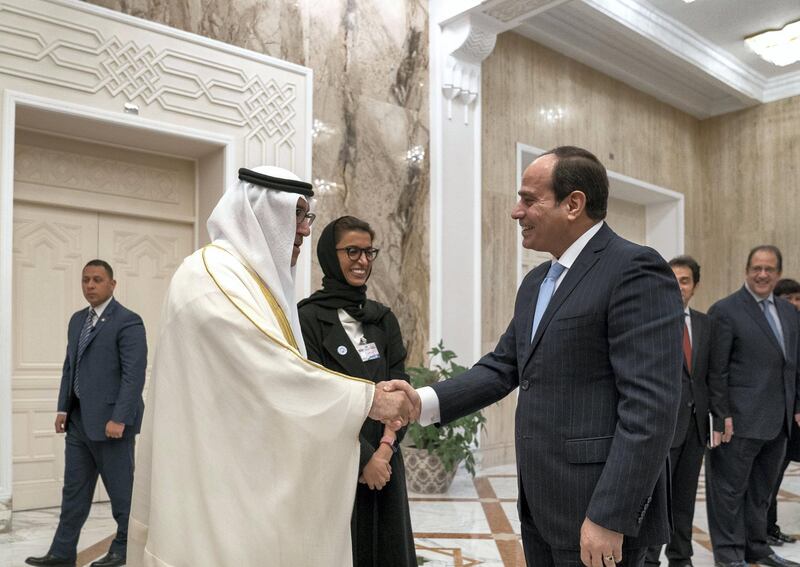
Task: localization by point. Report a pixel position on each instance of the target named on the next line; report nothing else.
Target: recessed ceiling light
(688, 1)
(780, 47)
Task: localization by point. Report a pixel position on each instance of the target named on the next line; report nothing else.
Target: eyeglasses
(303, 216)
(354, 252)
(769, 270)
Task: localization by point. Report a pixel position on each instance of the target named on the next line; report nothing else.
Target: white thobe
(249, 452)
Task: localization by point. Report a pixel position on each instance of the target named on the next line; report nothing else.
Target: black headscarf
(336, 293)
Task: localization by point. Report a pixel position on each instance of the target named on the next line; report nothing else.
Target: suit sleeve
(132, 348)
(644, 341)
(63, 391)
(719, 366)
(491, 379)
(66, 377)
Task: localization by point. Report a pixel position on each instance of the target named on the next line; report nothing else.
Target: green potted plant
(432, 454)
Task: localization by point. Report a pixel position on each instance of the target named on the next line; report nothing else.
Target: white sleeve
(430, 406)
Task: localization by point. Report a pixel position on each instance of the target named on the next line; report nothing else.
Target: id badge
(368, 351)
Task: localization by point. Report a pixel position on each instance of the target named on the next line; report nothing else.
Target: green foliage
(453, 442)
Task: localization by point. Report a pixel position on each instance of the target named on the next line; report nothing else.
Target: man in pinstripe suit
(595, 348)
(753, 386)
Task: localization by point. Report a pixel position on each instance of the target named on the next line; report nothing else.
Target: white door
(51, 246)
(76, 201)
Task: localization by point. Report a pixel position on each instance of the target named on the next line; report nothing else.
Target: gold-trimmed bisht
(290, 343)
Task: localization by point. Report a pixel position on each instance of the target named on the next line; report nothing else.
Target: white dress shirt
(687, 318)
(430, 401)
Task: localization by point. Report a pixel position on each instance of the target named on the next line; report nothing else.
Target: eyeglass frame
(306, 218)
(365, 251)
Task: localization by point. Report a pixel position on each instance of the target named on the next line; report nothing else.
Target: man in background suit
(595, 348)
(752, 379)
(100, 407)
(691, 431)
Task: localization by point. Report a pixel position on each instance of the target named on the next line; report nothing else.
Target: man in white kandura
(249, 452)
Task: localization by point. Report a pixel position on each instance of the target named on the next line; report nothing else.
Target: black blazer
(381, 522)
(749, 377)
(694, 393)
(599, 393)
(324, 335)
(112, 371)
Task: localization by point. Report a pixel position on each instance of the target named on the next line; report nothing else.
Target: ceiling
(691, 56)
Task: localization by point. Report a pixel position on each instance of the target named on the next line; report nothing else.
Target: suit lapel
(339, 345)
(696, 332)
(757, 314)
(785, 314)
(108, 313)
(583, 263)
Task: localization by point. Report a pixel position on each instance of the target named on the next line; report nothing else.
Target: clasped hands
(395, 404)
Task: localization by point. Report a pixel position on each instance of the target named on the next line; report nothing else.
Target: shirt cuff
(61, 413)
(430, 406)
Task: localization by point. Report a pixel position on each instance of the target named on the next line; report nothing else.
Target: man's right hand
(394, 403)
(61, 422)
(723, 436)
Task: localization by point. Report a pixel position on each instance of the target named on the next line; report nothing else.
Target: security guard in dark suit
(100, 408)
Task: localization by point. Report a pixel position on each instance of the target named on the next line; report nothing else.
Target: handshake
(395, 403)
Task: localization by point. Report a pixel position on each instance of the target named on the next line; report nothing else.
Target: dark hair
(102, 264)
(579, 170)
(766, 248)
(786, 287)
(346, 224)
(687, 262)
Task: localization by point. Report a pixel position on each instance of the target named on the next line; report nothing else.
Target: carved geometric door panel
(51, 246)
(144, 254)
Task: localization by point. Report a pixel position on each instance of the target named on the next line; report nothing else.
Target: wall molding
(73, 61)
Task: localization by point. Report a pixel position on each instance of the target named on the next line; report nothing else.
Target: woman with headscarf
(346, 332)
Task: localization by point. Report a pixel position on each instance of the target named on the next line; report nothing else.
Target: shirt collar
(768, 299)
(102, 307)
(687, 312)
(571, 254)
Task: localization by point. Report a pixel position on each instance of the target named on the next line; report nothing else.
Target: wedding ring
(610, 558)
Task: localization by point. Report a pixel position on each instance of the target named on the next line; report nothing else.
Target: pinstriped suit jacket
(599, 391)
(749, 379)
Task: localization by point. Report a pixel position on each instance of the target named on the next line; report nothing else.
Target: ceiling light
(688, 1)
(781, 47)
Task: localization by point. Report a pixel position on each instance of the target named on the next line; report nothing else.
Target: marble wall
(524, 87)
(738, 174)
(370, 63)
(748, 195)
(536, 96)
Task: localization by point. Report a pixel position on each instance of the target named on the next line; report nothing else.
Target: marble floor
(474, 523)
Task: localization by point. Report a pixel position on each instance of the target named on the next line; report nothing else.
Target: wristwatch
(391, 442)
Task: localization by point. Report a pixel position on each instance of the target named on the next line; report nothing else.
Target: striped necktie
(773, 324)
(546, 290)
(83, 340)
(687, 345)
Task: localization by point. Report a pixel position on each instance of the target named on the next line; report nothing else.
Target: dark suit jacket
(749, 377)
(694, 384)
(112, 371)
(385, 511)
(599, 392)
